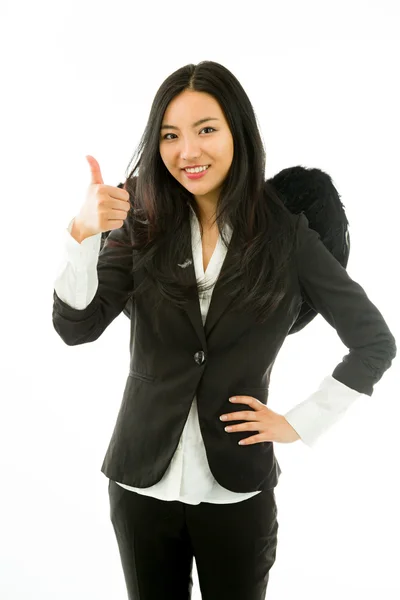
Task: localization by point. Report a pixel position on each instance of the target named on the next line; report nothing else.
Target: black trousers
(234, 545)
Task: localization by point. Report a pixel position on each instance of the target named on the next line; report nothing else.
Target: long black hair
(263, 228)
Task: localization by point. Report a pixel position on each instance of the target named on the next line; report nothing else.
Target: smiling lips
(202, 167)
(196, 175)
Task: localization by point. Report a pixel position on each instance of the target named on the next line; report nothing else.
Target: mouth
(197, 175)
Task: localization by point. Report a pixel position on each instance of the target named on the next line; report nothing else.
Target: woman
(215, 269)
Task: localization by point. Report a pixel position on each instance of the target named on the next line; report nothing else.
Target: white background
(78, 78)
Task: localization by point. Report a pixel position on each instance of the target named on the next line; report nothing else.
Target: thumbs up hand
(106, 207)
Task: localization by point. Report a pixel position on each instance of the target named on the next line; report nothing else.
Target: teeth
(197, 170)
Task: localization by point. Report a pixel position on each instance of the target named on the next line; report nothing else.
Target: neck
(207, 218)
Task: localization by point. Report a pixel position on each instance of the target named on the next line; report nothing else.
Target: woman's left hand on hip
(271, 426)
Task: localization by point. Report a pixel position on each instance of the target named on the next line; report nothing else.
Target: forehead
(190, 106)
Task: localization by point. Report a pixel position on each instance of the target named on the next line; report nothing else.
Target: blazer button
(199, 357)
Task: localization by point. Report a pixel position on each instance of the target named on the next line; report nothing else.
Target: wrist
(78, 232)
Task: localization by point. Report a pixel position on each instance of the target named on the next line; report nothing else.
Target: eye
(165, 136)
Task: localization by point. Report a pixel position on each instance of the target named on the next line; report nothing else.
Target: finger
(118, 204)
(239, 416)
(95, 171)
(117, 215)
(251, 426)
(250, 400)
(254, 439)
(118, 194)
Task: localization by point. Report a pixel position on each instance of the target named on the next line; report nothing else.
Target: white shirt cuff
(315, 415)
(76, 280)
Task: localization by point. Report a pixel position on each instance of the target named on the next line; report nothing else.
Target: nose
(190, 150)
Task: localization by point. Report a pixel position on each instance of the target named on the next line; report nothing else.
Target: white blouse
(188, 477)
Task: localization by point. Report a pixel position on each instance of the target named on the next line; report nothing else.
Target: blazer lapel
(220, 299)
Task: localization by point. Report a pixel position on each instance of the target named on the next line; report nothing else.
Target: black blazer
(231, 354)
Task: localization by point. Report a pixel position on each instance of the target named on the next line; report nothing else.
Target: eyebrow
(194, 124)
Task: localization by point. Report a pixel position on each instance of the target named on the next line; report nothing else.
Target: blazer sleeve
(115, 286)
(343, 303)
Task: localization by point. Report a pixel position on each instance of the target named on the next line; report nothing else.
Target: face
(184, 143)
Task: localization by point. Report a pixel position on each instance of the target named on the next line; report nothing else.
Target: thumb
(94, 169)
